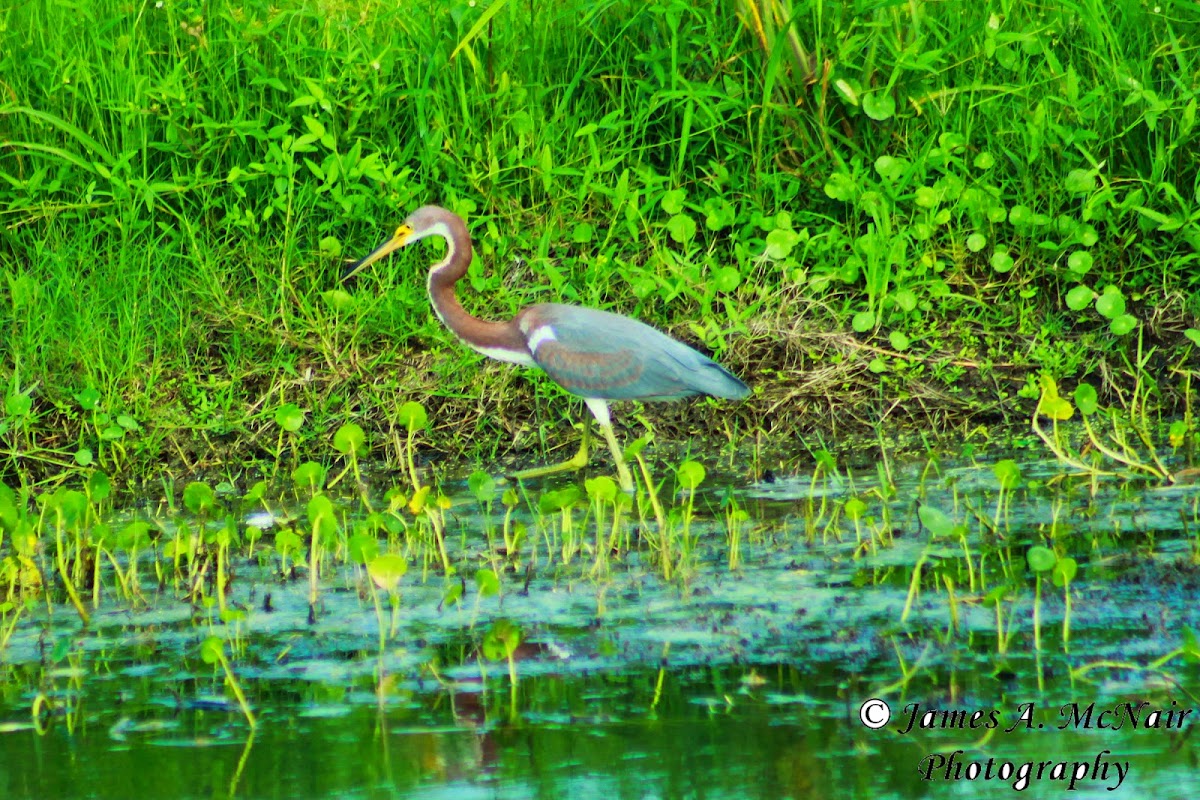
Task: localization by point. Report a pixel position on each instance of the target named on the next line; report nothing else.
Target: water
(722, 684)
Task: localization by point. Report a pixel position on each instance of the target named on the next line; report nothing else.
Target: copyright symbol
(874, 713)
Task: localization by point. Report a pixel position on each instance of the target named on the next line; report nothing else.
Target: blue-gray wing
(608, 356)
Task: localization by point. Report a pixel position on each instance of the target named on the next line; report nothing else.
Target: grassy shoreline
(953, 203)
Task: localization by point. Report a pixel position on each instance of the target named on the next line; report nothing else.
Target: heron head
(425, 221)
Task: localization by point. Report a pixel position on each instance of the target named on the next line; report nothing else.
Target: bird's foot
(572, 464)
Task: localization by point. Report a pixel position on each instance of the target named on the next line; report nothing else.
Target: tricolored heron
(594, 354)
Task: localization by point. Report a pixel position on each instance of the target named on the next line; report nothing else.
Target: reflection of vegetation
(788, 716)
(212, 651)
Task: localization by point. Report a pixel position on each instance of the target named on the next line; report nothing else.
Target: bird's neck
(499, 340)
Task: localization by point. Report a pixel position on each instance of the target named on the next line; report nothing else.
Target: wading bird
(594, 354)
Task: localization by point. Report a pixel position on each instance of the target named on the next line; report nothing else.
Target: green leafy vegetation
(965, 196)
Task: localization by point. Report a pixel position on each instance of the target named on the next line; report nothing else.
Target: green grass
(179, 186)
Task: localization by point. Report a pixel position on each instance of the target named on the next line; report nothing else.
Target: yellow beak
(399, 239)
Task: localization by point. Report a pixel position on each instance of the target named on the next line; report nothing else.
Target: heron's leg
(600, 411)
(622, 470)
(575, 462)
